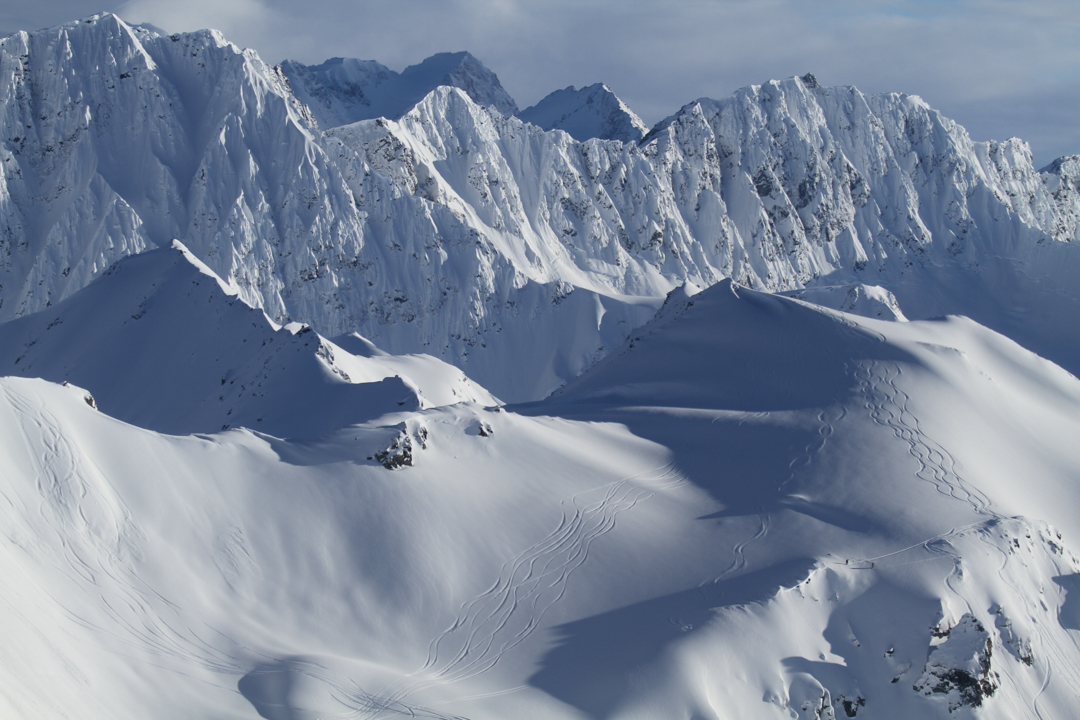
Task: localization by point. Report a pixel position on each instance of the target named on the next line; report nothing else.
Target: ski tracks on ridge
(889, 407)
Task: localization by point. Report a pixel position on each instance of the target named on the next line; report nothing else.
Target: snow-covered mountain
(591, 112)
(248, 469)
(439, 231)
(163, 343)
(753, 508)
(341, 91)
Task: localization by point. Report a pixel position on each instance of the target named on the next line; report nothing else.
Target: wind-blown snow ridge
(437, 232)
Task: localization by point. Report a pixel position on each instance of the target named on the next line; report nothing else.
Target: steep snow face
(465, 72)
(341, 91)
(1062, 179)
(344, 90)
(468, 235)
(163, 343)
(783, 186)
(591, 112)
(118, 139)
(207, 144)
(850, 517)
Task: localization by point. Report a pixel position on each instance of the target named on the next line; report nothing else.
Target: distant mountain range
(436, 231)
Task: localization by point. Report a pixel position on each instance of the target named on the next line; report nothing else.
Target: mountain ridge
(163, 343)
(431, 235)
(841, 491)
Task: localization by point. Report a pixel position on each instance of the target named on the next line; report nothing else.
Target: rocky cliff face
(520, 255)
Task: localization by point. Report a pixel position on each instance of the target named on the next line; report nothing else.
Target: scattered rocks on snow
(1018, 646)
(398, 455)
(959, 668)
(851, 705)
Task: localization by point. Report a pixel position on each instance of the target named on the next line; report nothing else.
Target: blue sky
(999, 67)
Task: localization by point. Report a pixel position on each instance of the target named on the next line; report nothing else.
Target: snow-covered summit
(591, 112)
(465, 72)
(341, 91)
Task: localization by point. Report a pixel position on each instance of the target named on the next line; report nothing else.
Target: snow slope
(591, 112)
(438, 232)
(814, 429)
(161, 342)
(754, 508)
(341, 91)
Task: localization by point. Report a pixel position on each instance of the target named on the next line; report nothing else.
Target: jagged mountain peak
(1069, 164)
(112, 24)
(590, 112)
(342, 91)
(464, 71)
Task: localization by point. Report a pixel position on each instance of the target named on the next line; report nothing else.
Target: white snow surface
(440, 231)
(591, 112)
(755, 507)
(341, 91)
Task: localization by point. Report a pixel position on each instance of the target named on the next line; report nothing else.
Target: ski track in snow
(982, 535)
(827, 420)
(1046, 653)
(888, 406)
(528, 586)
(97, 539)
(356, 702)
(487, 627)
(738, 561)
(1042, 645)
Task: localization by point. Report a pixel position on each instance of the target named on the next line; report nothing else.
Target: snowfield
(840, 514)
(334, 392)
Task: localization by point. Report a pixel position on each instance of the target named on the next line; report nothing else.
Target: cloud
(45, 13)
(248, 18)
